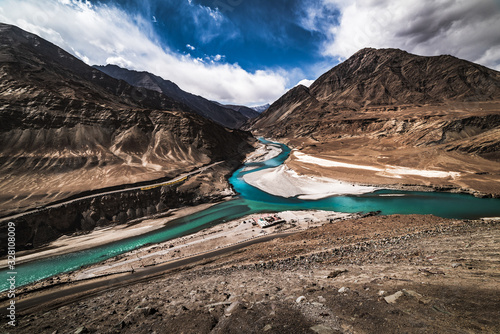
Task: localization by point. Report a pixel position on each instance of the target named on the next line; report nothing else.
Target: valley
(135, 203)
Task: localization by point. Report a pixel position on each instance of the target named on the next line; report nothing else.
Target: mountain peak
(224, 115)
(379, 79)
(395, 77)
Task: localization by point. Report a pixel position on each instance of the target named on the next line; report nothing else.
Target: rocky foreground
(379, 274)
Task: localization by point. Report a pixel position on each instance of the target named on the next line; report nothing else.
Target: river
(252, 200)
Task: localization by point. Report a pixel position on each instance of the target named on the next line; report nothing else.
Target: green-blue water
(253, 200)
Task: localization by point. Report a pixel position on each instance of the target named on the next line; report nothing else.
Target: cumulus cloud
(305, 82)
(466, 29)
(101, 34)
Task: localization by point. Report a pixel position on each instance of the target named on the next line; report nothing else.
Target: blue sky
(251, 51)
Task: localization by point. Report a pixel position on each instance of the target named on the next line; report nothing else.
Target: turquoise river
(252, 200)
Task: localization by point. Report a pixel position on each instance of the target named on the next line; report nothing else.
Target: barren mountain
(66, 127)
(262, 108)
(226, 116)
(388, 107)
(250, 113)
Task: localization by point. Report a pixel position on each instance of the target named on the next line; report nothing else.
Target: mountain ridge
(67, 128)
(383, 79)
(221, 114)
(383, 108)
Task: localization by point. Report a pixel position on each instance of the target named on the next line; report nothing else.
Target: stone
(231, 308)
(336, 273)
(381, 293)
(81, 330)
(417, 296)
(392, 298)
(411, 293)
(343, 289)
(267, 328)
(300, 299)
(148, 310)
(322, 329)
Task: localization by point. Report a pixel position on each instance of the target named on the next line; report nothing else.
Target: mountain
(262, 108)
(385, 77)
(67, 128)
(433, 112)
(245, 111)
(223, 115)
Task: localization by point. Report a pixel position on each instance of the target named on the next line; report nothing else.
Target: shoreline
(262, 153)
(196, 243)
(102, 236)
(285, 182)
(212, 238)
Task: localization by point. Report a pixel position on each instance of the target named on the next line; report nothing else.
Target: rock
(231, 308)
(321, 299)
(81, 330)
(417, 296)
(343, 289)
(455, 265)
(411, 293)
(336, 273)
(381, 293)
(148, 311)
(300, 299)
(322, 329)
(267, 328)
(392, 298)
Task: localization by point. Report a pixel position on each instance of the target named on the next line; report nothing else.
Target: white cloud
(190, 47)
(305, 82)
(104, 34)
(466, 29)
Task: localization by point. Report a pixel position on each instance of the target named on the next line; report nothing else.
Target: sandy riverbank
(219, 236)
(209, 239)
(99, 237)
(263, 152)
(379, 274)
(285, 182)
(349, 159)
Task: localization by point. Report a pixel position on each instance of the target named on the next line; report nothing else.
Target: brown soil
(478, 175)
(447, 273)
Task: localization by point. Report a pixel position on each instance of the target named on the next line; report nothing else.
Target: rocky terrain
(229, 116)
(390, 108)
(390, 274)
(67, 128)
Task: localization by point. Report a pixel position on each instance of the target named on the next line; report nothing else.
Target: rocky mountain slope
(226, 116)
(373, 79)
(66, 127)
(407, 109)
(250, 113)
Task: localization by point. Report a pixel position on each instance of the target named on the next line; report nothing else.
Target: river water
(252, 200)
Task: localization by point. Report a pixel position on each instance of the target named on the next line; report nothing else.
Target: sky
(252, 51)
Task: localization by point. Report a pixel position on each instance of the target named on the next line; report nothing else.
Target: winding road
(154, 184)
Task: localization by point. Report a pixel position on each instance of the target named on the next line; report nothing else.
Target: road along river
(252, 200)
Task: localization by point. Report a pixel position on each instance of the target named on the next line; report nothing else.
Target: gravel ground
(379, 274)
